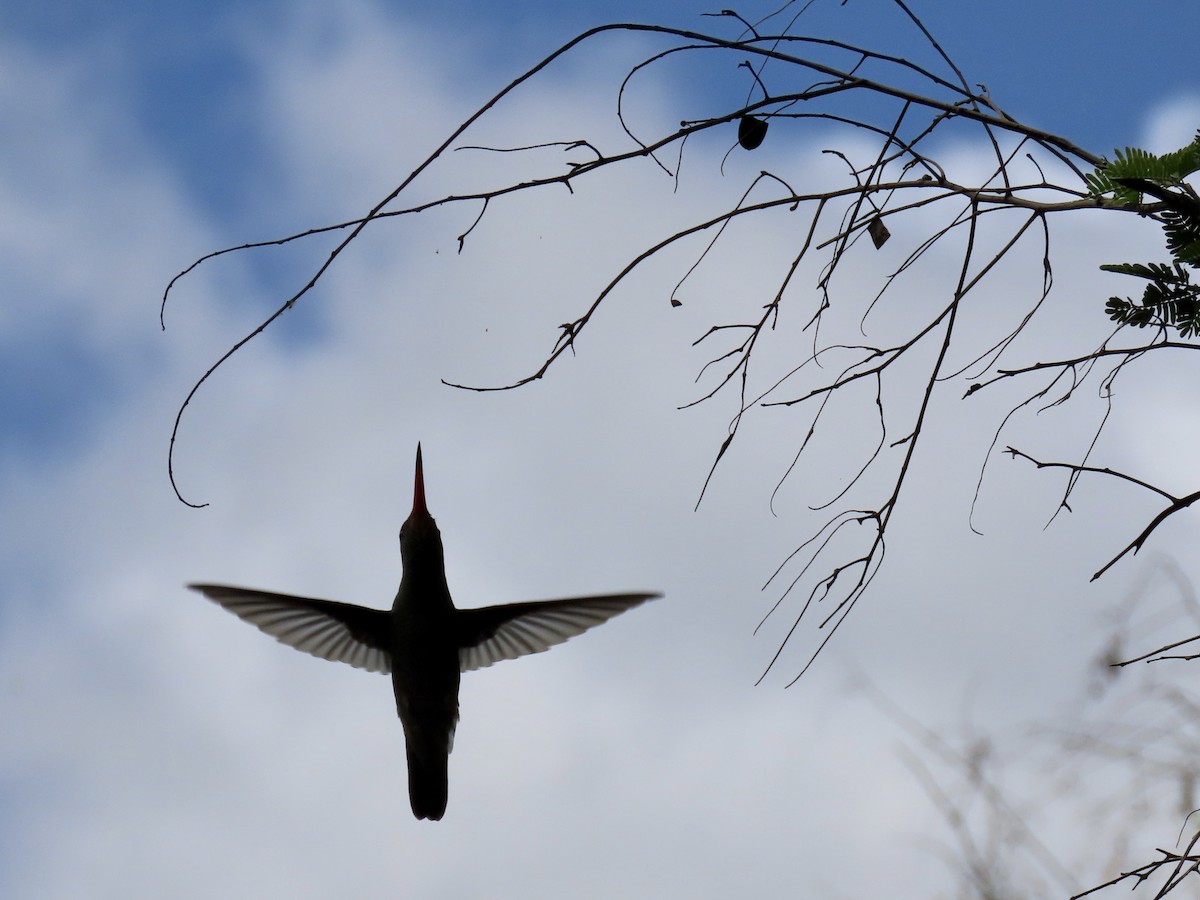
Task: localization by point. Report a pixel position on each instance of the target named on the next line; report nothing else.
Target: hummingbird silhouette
(425, 642)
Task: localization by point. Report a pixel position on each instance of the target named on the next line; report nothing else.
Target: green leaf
(1153, 271)
(1169, 300)
(1168, 170)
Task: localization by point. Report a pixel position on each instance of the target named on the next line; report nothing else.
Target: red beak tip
(419, 486)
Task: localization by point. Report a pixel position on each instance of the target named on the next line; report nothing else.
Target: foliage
(1171, 300)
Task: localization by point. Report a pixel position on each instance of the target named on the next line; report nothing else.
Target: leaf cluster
(1170, 299)
(1167, 170)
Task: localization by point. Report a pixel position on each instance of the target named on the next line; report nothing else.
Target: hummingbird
(425, 642)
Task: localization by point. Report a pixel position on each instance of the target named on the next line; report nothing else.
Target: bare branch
(1174, 505)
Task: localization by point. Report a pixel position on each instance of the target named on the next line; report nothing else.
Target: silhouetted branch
(1181, 865)
(1175, 505)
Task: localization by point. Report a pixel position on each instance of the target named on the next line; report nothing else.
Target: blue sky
(157, 746)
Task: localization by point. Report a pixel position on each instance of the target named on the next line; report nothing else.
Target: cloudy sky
(155, 746)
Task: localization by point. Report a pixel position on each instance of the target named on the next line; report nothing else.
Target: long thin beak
(419, 487)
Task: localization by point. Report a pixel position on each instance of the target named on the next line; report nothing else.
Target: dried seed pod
(878, 231)
(751, 131)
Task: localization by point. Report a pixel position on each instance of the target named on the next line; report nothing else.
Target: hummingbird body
(425, 642)
(426, 688)
(425, 667)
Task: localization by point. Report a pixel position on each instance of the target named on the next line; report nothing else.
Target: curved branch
(1175, 504)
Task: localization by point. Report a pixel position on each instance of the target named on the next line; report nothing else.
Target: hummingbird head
(420, 540)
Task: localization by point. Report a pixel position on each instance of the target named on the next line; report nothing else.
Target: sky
(154, 745)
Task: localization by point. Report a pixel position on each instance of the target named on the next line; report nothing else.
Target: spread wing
(493, 633)
(338, 631)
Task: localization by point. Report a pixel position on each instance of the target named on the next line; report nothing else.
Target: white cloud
(1172, 124)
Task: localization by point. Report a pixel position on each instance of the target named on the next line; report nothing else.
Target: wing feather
(341, 632)
(494, 633)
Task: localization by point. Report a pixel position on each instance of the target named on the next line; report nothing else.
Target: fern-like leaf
(1158, 272)
(1183, 236)
(1136, 164)
(1170, 300)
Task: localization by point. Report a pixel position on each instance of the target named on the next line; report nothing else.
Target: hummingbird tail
(428, 738)
(428, 784)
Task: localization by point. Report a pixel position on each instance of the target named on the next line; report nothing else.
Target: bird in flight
(425, 642)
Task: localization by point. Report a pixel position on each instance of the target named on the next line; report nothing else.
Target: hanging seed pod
(878, 231)
(751, 131)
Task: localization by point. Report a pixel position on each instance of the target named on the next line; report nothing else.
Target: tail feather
(426, 687)
(428, 783)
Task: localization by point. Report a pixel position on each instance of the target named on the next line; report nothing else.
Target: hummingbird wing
(341, 632)
(493, 633)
